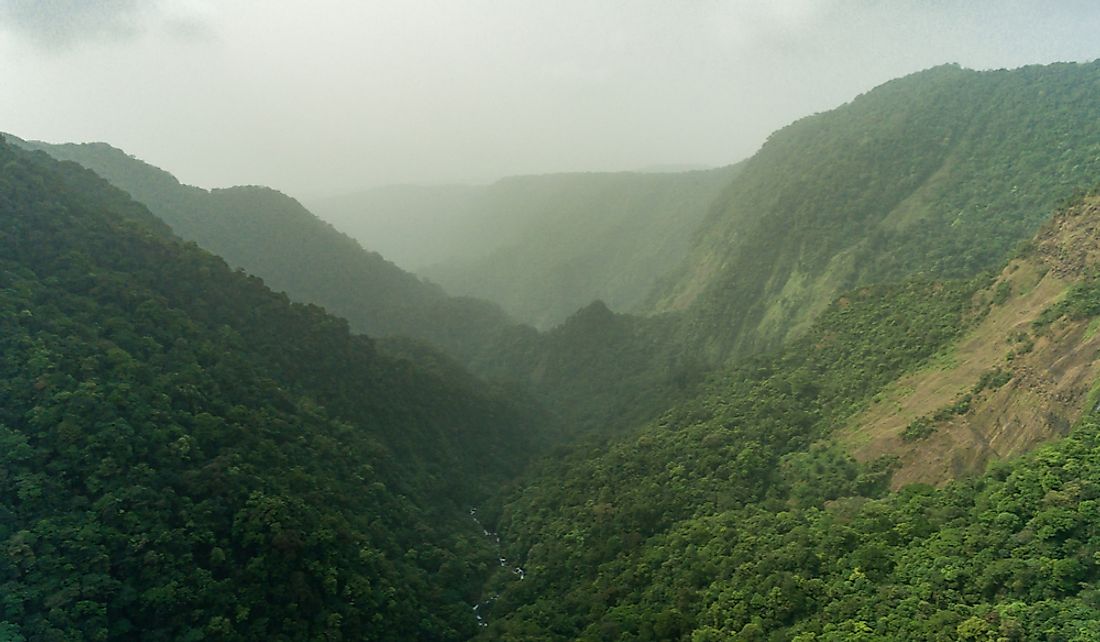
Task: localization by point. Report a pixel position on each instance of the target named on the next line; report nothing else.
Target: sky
(334, 96)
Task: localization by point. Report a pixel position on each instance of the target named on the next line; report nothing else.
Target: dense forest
(193, 448)
(736, 516)
(940, 173)
(271, 235)
(593, 371)
(189, 455)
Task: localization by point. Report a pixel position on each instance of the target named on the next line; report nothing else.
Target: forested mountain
(594, 372)
(271, 235)
(939, 173)
(540, 246)
(737, 516)
(186, 455)
(865, 407)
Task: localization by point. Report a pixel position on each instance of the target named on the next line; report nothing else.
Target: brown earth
(1049, 382)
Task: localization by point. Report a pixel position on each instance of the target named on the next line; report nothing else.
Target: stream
(516, 570)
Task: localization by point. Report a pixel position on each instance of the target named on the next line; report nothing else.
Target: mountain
(940, 173)
(542, 247)
(589, 374)
(865, 407)
(184, 454)
(1019, 378)
(740, 514)
(272, 236)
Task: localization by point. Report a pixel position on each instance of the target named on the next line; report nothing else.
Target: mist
(331, 97)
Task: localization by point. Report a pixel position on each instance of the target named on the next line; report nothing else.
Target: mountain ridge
(939, 173)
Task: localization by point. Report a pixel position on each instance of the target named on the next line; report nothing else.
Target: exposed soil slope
(1035, 382)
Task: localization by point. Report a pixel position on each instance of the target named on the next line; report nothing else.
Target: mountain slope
(541, 246)
(940, 173)
(587, 384)
(271, 235)
(737, 515)
(187, 455)
(1020, 377)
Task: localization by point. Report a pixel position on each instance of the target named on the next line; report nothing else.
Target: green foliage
(596, 372)
(992, 380)
(724, 522)
(1081, 302)
(941, 173)
(272, 236)
(919, 428)
(185, 455)
(603, 529)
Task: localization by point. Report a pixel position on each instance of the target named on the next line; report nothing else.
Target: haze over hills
(864, 406)
(274, 237)
(542, 247)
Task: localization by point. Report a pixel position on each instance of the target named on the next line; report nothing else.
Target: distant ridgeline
(593, 372)
(186, 455)
(540, 246)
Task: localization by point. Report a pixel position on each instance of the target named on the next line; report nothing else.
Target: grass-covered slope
(940, 173)
(541, 246)
(272, 236)
(186, 455)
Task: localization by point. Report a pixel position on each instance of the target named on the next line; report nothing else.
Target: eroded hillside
(1021, 376)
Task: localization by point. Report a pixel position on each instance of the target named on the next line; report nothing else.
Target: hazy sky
(335, 96)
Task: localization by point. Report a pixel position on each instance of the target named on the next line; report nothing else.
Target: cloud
(64, 24)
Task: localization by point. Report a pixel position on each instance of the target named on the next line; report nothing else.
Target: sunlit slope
(939, 173)
(185, 454)
(1016, 379)
(540, 246)
(272, 236)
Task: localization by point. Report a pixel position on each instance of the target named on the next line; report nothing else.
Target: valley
(845, 389)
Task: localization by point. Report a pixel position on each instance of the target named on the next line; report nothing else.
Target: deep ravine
(516, 571)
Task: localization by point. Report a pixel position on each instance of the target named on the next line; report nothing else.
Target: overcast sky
(331, 96)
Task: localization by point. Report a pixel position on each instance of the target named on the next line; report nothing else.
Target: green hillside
(542, 247)
(939, 173)
(866, 405)
(186, 455)
(589, 378)
(736, 516)
(272, 236)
